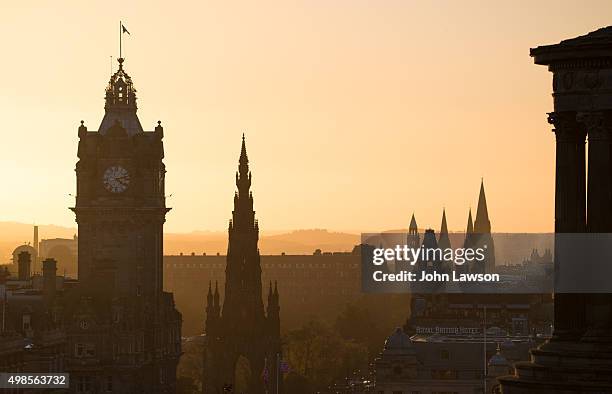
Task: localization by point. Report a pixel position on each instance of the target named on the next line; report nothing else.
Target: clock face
(116, 179)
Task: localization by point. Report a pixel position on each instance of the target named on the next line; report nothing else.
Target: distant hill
(508, 247)
(295, 242)
(13, 234)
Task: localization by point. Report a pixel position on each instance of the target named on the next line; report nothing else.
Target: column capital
(566, 127)
(596, 124)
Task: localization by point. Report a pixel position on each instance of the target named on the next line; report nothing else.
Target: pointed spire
(444, 240)
(470, 226)
(413, 223)
(482, 225)
(243, 153)
(443, 226)
(275, 290)
(243, 176)
(414, 240)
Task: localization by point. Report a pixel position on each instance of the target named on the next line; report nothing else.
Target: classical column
(599, 212)
(599, 184)
(570, 213)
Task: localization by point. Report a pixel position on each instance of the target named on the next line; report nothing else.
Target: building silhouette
(443, 239)
(578, 356)
(413, 239)
(317, 284)
(243, 348)
(115, 329)
(123, 329)
(482, 233)
(478, 235)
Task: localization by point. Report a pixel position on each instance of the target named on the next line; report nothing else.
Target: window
(84, 324)
(109, 383)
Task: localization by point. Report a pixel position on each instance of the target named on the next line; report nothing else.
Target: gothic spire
(482, 225)
(413, 225)
(470, 226)
(243, 175)
(413, 239)
(443, 240)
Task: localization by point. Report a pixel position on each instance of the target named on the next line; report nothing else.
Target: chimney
(37, 252)
(23, 265)
(49, 274)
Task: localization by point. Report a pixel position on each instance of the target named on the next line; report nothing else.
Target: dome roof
(23, 248)
(399, 342)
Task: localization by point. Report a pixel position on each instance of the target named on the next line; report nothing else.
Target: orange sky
(357, 113)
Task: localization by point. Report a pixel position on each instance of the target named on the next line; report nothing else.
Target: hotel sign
(448, 330)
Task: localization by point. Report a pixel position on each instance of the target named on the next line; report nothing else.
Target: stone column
(599, 211)
(570, 213)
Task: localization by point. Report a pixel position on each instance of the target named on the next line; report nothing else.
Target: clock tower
(131, 323)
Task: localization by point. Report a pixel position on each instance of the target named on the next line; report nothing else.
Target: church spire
(413, 240)
(413, 228)
(444, 240)
(470, 226)
(482, 225)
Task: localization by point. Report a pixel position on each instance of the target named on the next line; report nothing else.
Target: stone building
(319, 284)
(115, 329)
(432, 364)
(32, 338)
(123, 329)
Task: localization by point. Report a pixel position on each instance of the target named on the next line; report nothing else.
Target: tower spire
(444, 240)
(482, 225)
(470, 225)
(413, 225)
(413, 240)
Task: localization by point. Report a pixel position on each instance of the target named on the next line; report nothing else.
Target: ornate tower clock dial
(116, 179)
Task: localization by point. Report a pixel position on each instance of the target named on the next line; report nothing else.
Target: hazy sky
(357, 113)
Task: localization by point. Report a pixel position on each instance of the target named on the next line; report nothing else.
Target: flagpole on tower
(120, 36)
